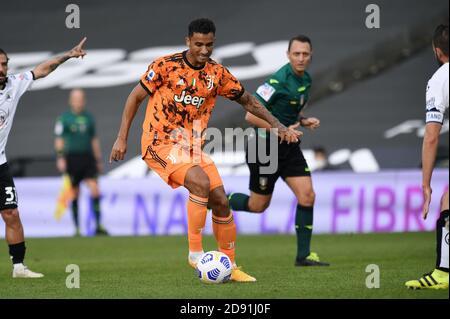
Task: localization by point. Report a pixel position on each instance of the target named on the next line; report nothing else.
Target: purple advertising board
(346, 202)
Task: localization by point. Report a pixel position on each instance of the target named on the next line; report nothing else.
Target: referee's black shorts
(80, 167)
(291, 163)
(8, 194)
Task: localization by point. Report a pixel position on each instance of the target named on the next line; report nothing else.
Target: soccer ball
(214, 267)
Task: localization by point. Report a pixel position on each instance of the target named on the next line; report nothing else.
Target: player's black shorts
(81, 166)
(8, 195)
(291, 163)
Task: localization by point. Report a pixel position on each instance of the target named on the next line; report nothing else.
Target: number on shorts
(11, 192)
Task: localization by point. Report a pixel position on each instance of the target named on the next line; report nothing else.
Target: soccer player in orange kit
(183, 88)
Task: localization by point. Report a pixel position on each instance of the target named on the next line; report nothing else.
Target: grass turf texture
(156, 267)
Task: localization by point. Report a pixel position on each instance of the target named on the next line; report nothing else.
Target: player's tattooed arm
(47, 67)
(253, 106)
(256, 121)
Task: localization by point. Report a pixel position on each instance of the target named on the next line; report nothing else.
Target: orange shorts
(172, 163)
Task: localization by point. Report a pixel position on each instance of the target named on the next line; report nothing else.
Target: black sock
(442, 243)
(239, 202)
(96, 208)
(303, 228)
(17, 252)
(75, 212)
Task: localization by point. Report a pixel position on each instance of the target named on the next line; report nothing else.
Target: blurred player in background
(183, 88)
(437, 105)
(321, 159)
(79, 155)
(11, 89)
(285, 94)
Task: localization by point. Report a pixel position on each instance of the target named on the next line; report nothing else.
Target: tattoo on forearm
(53, 66)
(58, 62)
(252, 105)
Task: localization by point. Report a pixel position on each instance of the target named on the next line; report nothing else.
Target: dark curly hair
(203, 26)
(440, 38)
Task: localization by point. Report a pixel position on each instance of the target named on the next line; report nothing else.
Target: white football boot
(22, 271)
(194, 257)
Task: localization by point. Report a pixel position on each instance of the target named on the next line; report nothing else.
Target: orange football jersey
(182, 98)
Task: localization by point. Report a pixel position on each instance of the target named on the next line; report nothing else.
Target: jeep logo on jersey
(189, 99)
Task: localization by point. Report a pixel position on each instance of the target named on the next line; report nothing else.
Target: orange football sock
(196, 208)
(224, 230)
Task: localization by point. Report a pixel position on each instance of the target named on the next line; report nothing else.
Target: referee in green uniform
(79, 155)
(285, 95)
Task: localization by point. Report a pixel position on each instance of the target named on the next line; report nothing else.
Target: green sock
(239, 201)
(303, 227)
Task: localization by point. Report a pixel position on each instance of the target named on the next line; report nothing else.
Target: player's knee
(75, 191)
(197, 182)
(200, 187)
(11, 217)
(307, 198)
(204, 184)
(95, 192)
(259, 207)
(220, 204)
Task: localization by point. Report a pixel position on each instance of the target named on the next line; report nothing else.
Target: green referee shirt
(285, 94)
(77, 131)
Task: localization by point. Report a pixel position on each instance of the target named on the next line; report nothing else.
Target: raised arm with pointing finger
(47, 67)
(12, 87)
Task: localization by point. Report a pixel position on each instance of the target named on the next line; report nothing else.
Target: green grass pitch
(156, 267)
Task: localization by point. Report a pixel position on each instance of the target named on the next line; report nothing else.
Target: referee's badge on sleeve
(265, 91)
(59, 128)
